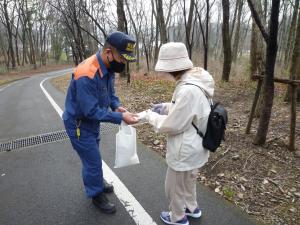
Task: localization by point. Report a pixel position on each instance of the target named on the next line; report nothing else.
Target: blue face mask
(115, 65)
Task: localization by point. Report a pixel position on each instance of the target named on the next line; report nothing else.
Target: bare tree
(283, 30)
(257, 49)
(136, 30)
(291, 34)
(122, 26)
(226, 41)
(122, 22)
(28, 12)
(161, 22)
(8, 24)
(237, 31)
(189, 28)
(268, 82)
(217, 43)
(295, 62)
(205, 39)
(257, 52)
(232, 26)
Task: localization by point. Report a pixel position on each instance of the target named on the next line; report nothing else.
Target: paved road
(42, 184)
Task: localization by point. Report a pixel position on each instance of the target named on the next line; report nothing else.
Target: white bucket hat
(172, 57)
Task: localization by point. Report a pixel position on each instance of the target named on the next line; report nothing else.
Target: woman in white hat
(185, 154)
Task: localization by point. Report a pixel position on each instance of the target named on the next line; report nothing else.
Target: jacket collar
(102, 70)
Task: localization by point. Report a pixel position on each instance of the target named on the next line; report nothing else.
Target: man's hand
(121, 109)
(130, 118)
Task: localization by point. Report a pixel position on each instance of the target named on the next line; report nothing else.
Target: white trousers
(180, 188)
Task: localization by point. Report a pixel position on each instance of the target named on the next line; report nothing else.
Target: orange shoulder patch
(87, 68)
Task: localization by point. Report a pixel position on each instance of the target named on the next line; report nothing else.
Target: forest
(254, 41)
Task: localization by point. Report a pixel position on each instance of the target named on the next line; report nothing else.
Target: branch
(258, 21)
(86, 11)
(170, 9)
(201, 25)
(68, 25)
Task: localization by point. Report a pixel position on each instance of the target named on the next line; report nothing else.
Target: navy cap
(123, 43)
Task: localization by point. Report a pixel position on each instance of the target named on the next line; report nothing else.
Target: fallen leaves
(263, 181)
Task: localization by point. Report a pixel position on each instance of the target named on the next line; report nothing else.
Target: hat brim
(172, 65)
(128, 56)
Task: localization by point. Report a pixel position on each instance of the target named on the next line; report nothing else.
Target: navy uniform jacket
(91, 96)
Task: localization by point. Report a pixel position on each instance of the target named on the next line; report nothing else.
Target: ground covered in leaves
(263, 181)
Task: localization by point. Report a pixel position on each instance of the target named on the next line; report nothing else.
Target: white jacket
(189, 104)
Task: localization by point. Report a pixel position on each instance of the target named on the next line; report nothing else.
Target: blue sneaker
(165, 216)
(196, 214)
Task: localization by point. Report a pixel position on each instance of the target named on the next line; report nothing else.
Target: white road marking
(51, 100)
(132, 206)
(1, 89)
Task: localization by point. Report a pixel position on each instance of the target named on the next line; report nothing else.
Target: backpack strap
(198, 131)
(210, 103)
(204, 92)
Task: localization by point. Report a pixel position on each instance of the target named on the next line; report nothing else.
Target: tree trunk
(44, 58)
(156, 48)
(76, 21)
(24, 57)
(244, 36)
(32, 56)
(10, 35)
(3, 51)
(122, 26)
(17, 50)
(237, 31)
(254, 49)
(282, 32)
(226, 41)
(217, 43)
(257, 53)
(31, 47)
(268, 83)
(32, 50)
(188, 27)
(204, 35)
(206, 47)
(16, 41)
(233, 20)
(136, 36)
(291, 35)
(161, 22)
(295, 62)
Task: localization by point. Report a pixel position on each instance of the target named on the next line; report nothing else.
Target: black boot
(103, 204)
(107, 188)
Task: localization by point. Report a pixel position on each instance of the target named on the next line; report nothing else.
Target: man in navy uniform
(90, 100)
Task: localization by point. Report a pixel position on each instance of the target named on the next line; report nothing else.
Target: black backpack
(216, 125)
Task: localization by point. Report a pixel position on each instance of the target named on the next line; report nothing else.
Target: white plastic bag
(126, 146)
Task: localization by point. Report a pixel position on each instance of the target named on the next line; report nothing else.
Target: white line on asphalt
(132, 206)
(1, 89)
(53, 103)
